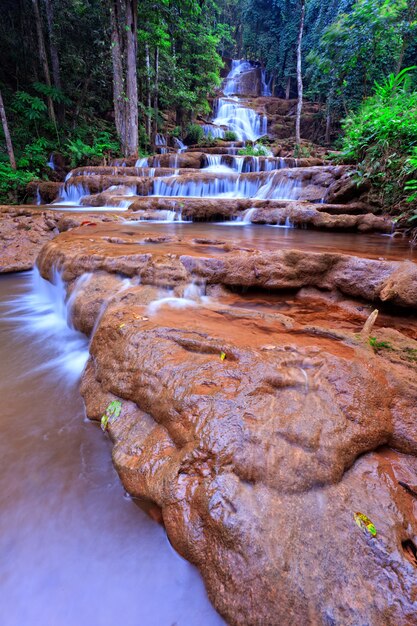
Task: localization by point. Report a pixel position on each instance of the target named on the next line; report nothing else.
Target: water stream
(73, 550)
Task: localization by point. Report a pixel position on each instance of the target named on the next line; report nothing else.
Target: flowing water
(73, 550)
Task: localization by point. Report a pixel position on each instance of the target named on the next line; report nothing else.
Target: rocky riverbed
(259, 413)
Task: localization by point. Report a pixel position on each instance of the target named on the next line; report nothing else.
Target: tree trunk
(156, 93)
(6, 131)
(288, 89)
(329, 103)
(299, 76)
(117, 62)
(53, 51)
(125, 85)
(132, 132)
(149, 95)
(43, 58)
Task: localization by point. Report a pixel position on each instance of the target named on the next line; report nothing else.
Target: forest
(95, 79)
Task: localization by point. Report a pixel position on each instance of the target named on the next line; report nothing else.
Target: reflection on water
(73, 550)
(273, 238)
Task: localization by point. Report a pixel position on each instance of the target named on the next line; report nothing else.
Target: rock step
(271, 212)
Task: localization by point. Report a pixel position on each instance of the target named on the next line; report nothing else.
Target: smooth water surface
(74, 551)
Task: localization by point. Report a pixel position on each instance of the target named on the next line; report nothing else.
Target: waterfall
(42, 311)
(228, 186)
(213, 131)
(232, 86)
(51, 163)
(266, 86)
(161, 143)
(247, 124)
(142, 162)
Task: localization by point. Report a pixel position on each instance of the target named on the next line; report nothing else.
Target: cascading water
(228, 184)
(222, 175)
(232, 86)
(247, 124)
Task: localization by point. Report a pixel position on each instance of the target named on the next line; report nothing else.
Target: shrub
(230, 135)
(256, 150)
(13, 183)
(382, 136)
(102, 147)
(195, 134)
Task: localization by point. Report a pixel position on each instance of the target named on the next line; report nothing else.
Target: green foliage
(195, 134)
(379, 345)
(256, 150)
(382, 138)
(230, 135)
(302, 151)
(13, 183)
(411, 185)
(102, 147)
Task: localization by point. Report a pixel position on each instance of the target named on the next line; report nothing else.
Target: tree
(43, 58)
(125, 87)
(299, 75)
(53, 52)
(6, 132)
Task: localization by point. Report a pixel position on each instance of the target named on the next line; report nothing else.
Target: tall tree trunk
(43, 58)
(125, 85)
(299, 76)
(117, 62)
(53, 52)
(156, 93)
(149, 95)
(132, 131)
(329, 103)
(6, 131)
(288, 89)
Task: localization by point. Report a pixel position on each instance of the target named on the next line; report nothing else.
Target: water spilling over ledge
(259, 392)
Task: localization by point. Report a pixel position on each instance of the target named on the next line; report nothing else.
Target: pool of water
(74, 550)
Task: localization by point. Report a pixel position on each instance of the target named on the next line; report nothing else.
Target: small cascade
(285, 189)
(213, 131)
(266, 86)
(161, 143)
(51, 163)
(38, 196)
(232, 86)
(180, 145)
(42, 311)
(144, 162)
(71, 195)
(247, 124)
(193, 295)
(247, 216)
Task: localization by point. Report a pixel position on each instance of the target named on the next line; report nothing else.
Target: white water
(74, 550)
(42, 313)
(247, 124)
(232, 83)
(194, 295)
(231, 186)
(222, 177)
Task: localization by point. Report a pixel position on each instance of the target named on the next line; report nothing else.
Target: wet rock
(257, 462)
(346, 189)
(186, 160)
(22, 235)
(248, 459)
(48, 191)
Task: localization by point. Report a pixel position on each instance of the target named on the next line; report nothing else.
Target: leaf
(365, 524)
(111, 414)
